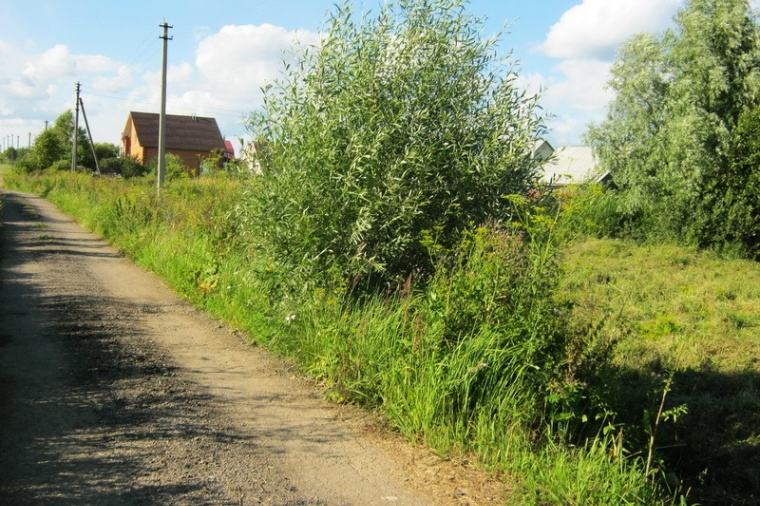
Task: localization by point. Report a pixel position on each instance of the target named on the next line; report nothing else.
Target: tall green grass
(482, 359)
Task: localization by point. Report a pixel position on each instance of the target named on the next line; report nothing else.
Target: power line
(149, 43)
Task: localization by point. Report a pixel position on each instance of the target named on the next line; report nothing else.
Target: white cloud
(121, 82)
(224, 81)
(584, 40)
(595, 28)
(533, 84)
(179, 75)
(582, 85)
(572, 95)
(59, 62)
(55, 62)
(240, 59)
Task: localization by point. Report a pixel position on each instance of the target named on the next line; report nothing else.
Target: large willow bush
(402, 124)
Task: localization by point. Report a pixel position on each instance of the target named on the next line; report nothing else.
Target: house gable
(192, 138)
(571, 165)
(541, 150)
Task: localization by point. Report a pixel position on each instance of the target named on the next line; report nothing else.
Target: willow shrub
(482, 335)
(479, 340)
(405, 122)
(481, 360)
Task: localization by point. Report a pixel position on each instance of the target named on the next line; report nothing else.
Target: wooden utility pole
(162, 117)
(76, 133)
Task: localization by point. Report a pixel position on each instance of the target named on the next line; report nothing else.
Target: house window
(127, 147)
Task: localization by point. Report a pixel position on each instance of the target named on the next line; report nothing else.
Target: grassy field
(692, 310)
(675, 334)
(692, 318)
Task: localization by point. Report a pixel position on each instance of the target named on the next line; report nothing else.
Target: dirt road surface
(114, 391)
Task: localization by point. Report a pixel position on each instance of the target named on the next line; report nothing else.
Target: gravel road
(115, 391)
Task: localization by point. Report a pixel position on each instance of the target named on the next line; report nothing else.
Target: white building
(568, 165)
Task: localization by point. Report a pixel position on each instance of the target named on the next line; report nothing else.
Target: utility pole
(46, 124)
(76, 133)
(162, 117)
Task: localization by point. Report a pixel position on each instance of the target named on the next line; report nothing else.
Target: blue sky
(222, 52)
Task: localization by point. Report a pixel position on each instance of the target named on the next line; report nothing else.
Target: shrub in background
(175, 167)
(126, 167)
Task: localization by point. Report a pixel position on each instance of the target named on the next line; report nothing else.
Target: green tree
(739, 208)
(10, 154)
(63, 127)
(106, 150)
(85, 156)
(175, 167)
(669, 133)
(629, 141)
(48, 148)
(126, 167)
(395, 125)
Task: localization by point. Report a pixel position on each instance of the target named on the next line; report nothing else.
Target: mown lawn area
(692, 317)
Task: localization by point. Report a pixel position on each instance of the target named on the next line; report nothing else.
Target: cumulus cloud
(54, 62)
(572, 95)
(242, 58)
(121, 82)
(533, 84)
(594, 28)
(38, 86)
(584, 40)
(582, 85)
(179, 75)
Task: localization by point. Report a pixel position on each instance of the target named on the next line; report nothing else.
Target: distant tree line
(52, 149)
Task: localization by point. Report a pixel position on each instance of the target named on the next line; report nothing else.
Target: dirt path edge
(115, 391)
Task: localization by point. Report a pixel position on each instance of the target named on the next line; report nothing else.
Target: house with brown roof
(192, 138)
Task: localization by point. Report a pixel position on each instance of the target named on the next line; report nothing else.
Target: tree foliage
(52, 147)
(63, 127)
(676, 133)
(48, 149)
(396, 124)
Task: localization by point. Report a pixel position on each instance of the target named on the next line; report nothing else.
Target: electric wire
(149, 43)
